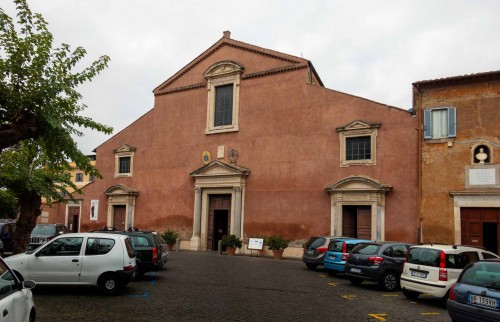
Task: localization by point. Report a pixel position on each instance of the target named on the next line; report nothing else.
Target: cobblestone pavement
(205, 286)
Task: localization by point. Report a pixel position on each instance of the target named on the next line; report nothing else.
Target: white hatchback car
(432, 269)
(16, 299)
(103, 260)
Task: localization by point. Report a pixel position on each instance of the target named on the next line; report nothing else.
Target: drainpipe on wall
(417, 108)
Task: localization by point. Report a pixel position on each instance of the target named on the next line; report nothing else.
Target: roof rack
(7, 220)
(473, 246)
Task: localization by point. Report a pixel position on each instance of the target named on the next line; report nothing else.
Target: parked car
(103, 260)
(476, 294)
(150, 249)
(314, 251)
(432, 269)
(380, 262)
(337, 252)
(42, 233)
(16, 299)
(7, 229)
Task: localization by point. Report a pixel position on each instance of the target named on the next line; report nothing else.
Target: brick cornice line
(182, 88)
(274, 71)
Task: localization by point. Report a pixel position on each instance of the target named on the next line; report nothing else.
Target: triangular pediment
(256, 61)
(124, 148)
(358, 183)
(358, 125)
(219, 168)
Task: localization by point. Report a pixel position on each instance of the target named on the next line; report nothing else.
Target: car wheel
(311, 265)
(389, 281)
(410, 294)
(109, 284)
(355, 280)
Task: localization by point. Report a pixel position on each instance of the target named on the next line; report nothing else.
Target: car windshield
(424, 256)
(486, 274)
(317, 243)
(44, 230)
(366, 249)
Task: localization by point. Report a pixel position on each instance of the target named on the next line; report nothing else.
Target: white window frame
(358, 129)
(122, 152)
(219, 74)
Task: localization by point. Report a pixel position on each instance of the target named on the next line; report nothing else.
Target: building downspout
(417, 107)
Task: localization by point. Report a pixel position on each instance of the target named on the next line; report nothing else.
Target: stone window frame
(123, 152)
(220, 74)
(358, 129)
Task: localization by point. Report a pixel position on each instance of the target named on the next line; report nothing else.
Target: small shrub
(231, 241)
(170, 236)
(276, 242)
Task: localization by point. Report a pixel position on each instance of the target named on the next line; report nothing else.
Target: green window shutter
(427, 124)
(452, 122)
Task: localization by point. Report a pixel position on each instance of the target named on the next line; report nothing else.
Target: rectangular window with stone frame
(223, 105)
(124, 165)
(358, 148)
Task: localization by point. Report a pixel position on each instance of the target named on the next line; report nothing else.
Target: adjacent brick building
(247, 140)
(460, 159)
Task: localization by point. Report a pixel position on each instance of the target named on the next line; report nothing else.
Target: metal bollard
(178, 243)
(219, 247)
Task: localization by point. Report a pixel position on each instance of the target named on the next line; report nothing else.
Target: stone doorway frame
(358, 191)
(121, 194)
(217, 177)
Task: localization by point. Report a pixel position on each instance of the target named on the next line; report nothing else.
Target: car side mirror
(29, 284)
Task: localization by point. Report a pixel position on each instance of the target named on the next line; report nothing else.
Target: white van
(432, 269)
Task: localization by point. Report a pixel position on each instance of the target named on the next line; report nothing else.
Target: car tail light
(443, 272)
(155, 254)
(321, 249)
(452, 293)
(128, 268)
(348, 255)
(344, 251)
(377, 260)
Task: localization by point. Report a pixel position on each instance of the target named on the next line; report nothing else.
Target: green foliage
(40, 110)
(231, 241)
(38, 96)
(170, 236)
(8, 204)
(276, 242)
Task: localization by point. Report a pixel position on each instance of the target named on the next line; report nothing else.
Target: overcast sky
(373, 49)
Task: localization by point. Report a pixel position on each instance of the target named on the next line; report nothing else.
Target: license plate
(355, 270)
(418, 274)
(332, 257)
(482, 300)
(310, 252)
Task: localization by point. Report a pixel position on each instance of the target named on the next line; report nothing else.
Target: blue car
(476, 294)
(337, 252)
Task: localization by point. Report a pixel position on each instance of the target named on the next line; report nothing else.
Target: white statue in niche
(481, 156)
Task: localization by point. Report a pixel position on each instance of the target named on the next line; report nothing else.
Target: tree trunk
(30, 203)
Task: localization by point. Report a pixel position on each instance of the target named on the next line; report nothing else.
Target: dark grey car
(380, 262)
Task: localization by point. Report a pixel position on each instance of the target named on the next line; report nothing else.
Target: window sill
(222, 129)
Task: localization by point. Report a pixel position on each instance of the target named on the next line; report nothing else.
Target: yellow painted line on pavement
(378, 316)
(349, 297)
(391, 295)
(430, 313)
(321, 275)
(333, 284)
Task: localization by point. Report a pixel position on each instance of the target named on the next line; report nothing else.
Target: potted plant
(231, 242)
(170, 236)
(277, 244)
